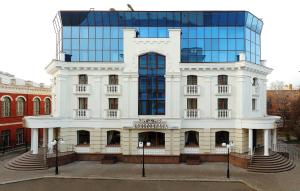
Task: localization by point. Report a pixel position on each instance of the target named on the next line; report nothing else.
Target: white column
(266, 142)
(44, 137)
(50, 139)
(270, 139)
(34, 140)
(275, 139)
(250, 141)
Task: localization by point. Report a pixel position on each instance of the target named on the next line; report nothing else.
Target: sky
(27, 37)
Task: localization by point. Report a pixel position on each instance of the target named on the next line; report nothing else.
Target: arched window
(221, 137)
(151, 84)
(20, 106)
(36, 106)
(222, 80)
(191, 80)
(113, 80)
(113, 138)
(83, 137)
(6, 107)
(254, 81)
(191, 138)
(47, 106)
(156, 139)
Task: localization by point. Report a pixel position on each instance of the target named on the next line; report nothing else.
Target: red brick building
(20, 98)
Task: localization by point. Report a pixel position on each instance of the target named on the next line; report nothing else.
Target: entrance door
(254, 137)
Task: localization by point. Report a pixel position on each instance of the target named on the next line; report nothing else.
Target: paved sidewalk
(206, 171)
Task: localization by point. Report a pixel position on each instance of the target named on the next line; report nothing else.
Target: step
(286, 167)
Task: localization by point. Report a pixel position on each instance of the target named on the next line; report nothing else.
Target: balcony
(81, 114)
(112, 114)
(81, 89)
(113, 90)
(223, 89)
(191, 113)
(255, 90)
(223, 114)
(191, 90)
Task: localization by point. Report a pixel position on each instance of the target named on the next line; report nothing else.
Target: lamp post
(142, 145)
(228, 146)
(55, 143)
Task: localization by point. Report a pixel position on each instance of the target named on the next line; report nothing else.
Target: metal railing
(290, 149)
(112, 114)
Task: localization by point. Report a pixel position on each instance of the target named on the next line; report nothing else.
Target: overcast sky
(27, 38)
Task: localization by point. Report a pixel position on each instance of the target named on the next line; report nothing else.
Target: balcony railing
(223, 114)
(113, 90)
(81, 89)
(112, 114)
(191, 90)
(81, 114)
(255, 90)
(191, 113)
(223, 89)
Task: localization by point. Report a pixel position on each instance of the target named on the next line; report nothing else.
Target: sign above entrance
(150, 124)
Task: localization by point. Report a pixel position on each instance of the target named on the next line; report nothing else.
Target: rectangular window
(192, 103)
(113, 103)
(83, 103)
(20, 136)
(113, 80)
(222, 80)
(222, 104)
(5, 138)
(254, 104)
(82, 79)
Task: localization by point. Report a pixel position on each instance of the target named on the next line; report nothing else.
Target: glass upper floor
(207, 36)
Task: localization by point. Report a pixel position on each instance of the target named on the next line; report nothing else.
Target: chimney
(42, 85)
(290, 86)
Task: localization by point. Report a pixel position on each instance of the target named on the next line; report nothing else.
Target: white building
(151, 92)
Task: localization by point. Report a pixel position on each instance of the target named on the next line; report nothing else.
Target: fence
(290, 149)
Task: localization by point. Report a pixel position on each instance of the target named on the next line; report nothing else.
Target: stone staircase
(27, 162)
(275, 162)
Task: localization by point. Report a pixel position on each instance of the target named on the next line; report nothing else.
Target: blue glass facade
(207, 36)
(152, 68)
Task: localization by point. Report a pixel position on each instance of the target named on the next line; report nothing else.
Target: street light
(142, 145)
(228, 146)
(55, 143)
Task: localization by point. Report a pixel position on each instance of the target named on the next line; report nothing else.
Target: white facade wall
(240, 75)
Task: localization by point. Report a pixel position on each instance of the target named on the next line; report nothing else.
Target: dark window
(20, 136)
(83, 79)
(156, 139)
(255, 82)
(221, 137)
(192, 103)
(151, 84)
(222, 80)
(20, 106)
(83, 103)
(36, 106)
(83, 137)
(191, 80)
(222, 103)
(47, 106)
(6, 107)
(113, 103)
(253, 104)
(5, 138)
(113, 138)
(191, 138)
(113, 80)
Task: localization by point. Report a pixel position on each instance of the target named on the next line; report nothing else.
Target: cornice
(5, 88)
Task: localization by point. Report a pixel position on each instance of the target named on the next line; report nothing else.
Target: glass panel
(84, 32)
(66, 44)
(75, 44)
(75, 32)
(66, 32)
(83, 44)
